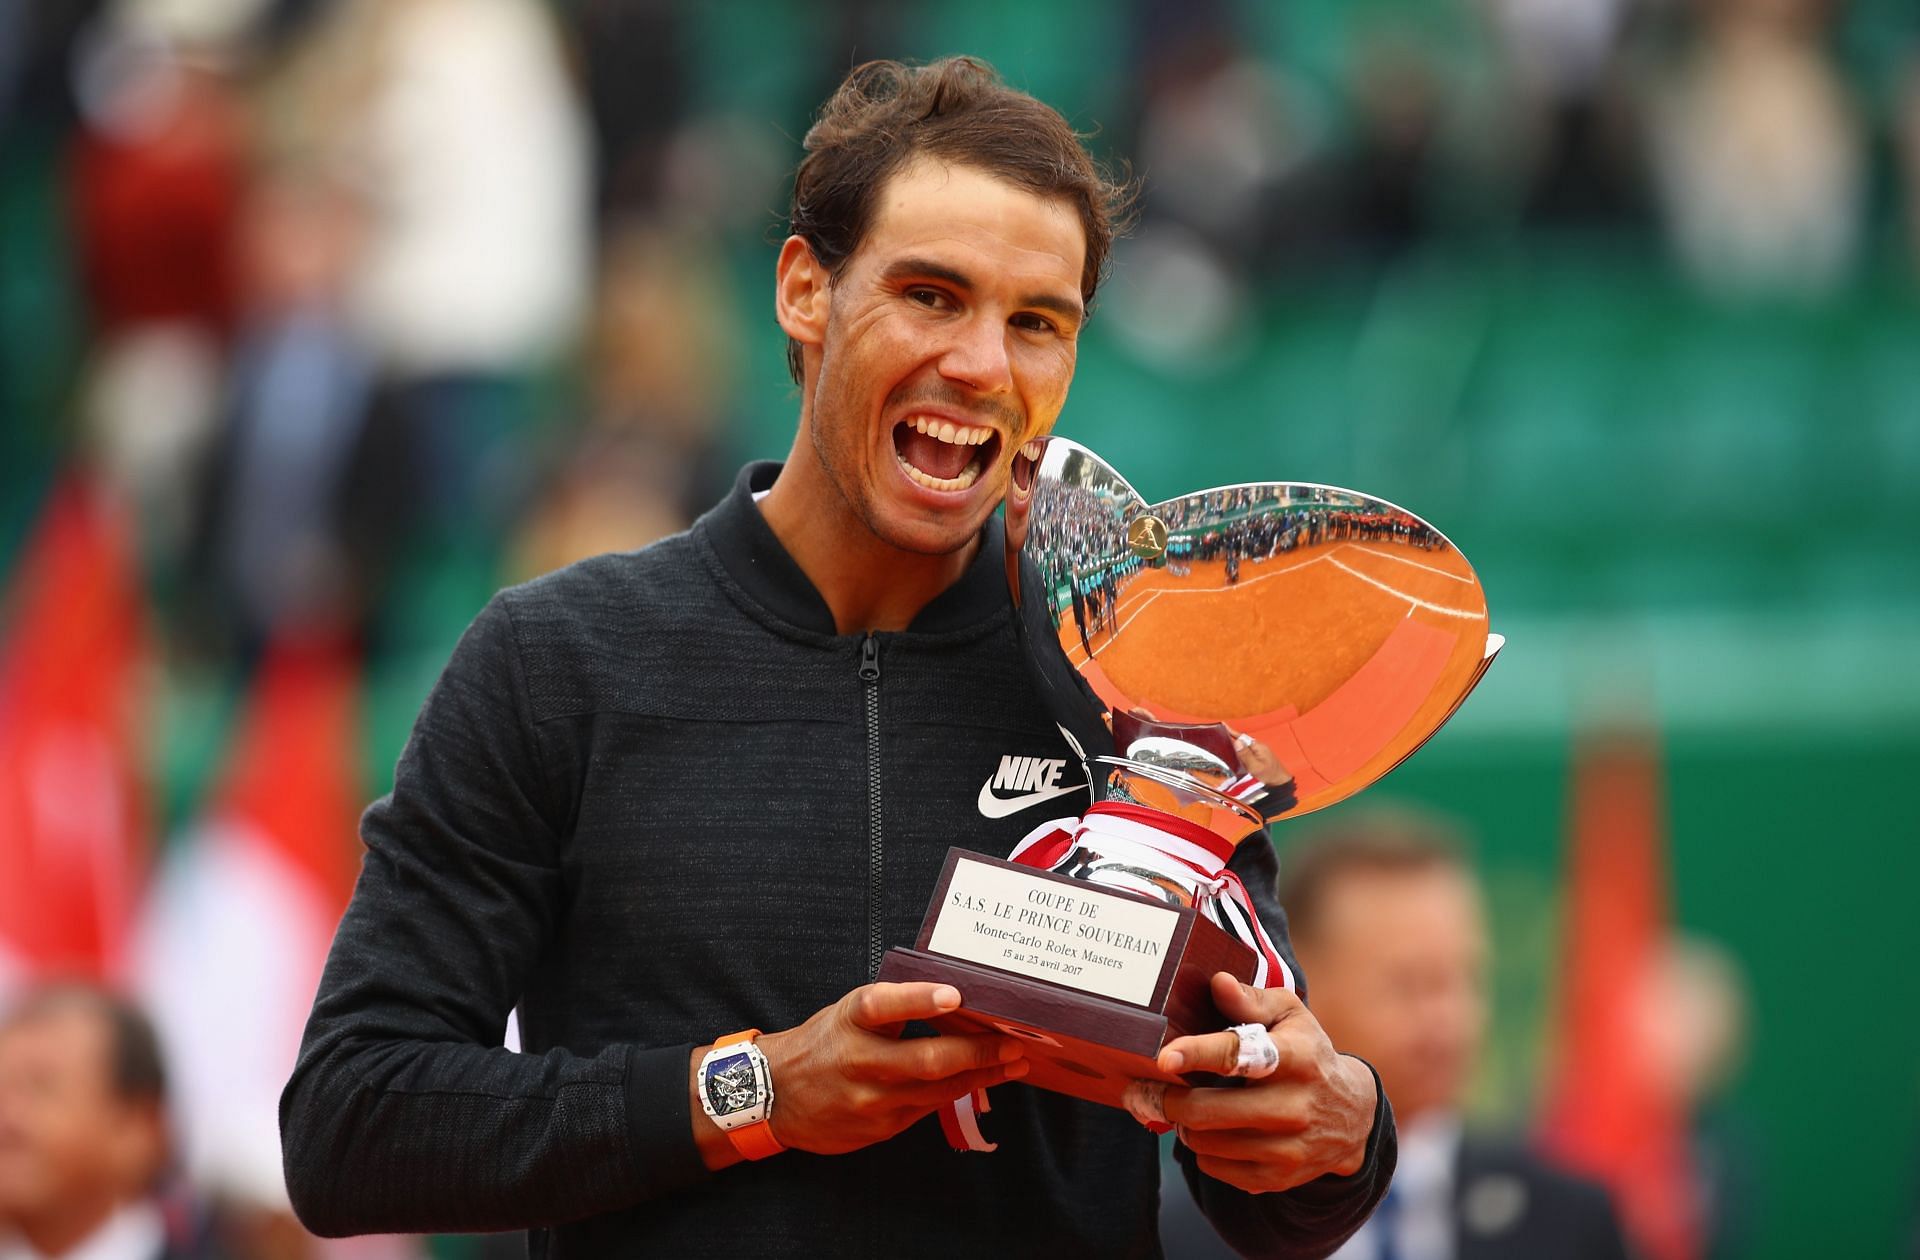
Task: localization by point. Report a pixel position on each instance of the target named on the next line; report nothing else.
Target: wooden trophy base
(1086, 1044)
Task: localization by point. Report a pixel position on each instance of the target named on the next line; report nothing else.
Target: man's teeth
(951, 433)
(968, 475)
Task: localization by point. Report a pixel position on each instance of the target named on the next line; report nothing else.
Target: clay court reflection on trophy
(1323, 634)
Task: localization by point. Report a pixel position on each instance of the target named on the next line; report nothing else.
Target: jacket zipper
(870, 684)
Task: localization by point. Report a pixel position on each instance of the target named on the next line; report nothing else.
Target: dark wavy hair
(957, 110)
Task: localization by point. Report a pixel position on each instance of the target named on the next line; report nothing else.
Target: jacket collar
(753, 557)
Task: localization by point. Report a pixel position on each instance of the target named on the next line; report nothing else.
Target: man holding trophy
(660, 802)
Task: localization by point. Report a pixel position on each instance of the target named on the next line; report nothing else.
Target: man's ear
(800, 293)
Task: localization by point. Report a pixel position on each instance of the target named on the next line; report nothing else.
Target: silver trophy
(1219, 660)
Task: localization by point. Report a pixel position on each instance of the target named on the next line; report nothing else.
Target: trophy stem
(1172, 792)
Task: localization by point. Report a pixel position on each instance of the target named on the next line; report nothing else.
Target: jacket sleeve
(1308, 1221)
(405, 1113)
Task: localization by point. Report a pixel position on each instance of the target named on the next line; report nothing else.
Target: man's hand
(1258, 760)
(844, 1079)
(1310, 1117)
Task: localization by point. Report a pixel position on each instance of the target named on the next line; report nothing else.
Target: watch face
(731, 1086)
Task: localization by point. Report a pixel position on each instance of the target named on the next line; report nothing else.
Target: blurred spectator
(157, 173)
(635, 68)
(1216, 135)
(83, 1130)
(1383, 184)
(1568, 108)
(86, 1140)
(659, 353)
(1387, 921)
(1759, 154)
(298, 401)
(458, 122)
(1693, 1017)
(1389, 927)
(157, 169)
(1219, 127)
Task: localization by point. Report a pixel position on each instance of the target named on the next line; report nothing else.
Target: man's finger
(1225, 1109)
(879, 1006)
(1220, 1052)
(1250, 1145)
(1268, 1108)
(1258, 1178)
(1242, 1003)
(1204, 1052)
(937, 1058)
(938, 1093)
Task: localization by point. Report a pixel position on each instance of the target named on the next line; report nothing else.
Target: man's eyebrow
(1063, 307)
(927, 269)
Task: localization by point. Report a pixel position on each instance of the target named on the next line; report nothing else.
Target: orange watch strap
(753, 1141)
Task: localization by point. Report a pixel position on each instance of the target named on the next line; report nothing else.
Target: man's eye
(926, 297)
(1033, 323)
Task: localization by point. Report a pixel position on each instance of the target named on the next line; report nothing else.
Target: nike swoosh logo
(1002, 806)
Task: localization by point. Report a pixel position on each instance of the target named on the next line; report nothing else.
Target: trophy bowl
(1329, 632)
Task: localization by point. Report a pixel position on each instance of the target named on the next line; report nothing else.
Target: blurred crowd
(1484, 120)
(344, 312)
(340, 265)
(352, 278)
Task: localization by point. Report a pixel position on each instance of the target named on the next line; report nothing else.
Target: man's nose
(977, 357)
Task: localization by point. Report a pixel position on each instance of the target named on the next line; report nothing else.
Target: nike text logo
(1037, 779)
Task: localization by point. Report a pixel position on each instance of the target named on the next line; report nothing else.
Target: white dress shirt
(135, 1232)
(1423, 1196)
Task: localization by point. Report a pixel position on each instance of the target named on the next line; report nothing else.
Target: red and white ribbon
(960, 1121)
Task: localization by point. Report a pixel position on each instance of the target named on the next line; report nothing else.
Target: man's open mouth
(942, 455)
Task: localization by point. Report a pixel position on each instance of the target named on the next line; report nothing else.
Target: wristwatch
(736, 1089)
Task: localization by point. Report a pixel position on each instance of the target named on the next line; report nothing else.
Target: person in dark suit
(1508, 1204)
(1386, 919)
(83, 1131)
